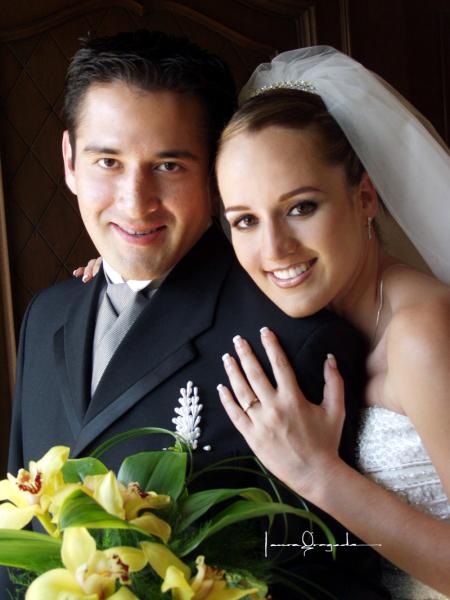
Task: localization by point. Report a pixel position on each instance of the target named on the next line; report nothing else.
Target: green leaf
(197, 504)
(29, 550)
(80, 510)
(248, 509)
(76, 469)
(134, 433)
(163, 472)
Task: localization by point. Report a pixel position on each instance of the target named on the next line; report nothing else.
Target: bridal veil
(408, 164)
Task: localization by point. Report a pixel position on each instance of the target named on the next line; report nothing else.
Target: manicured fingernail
(74, 273)
(84, 278)
(332, 361)
(238, 341)
(220, 387)
(226, 359)
(264, 331)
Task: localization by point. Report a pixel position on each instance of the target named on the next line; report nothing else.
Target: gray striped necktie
(118, 311)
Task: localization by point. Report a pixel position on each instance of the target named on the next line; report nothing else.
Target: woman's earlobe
(368, 196)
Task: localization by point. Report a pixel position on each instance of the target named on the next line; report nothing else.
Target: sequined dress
(390, 452)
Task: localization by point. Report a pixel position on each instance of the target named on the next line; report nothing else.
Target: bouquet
(137, 534)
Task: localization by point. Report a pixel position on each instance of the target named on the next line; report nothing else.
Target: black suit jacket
(189, 323)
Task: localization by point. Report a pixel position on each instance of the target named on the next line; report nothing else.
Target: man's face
(141, 176)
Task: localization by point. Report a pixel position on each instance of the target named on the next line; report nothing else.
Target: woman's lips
(139, 236)
(291, 276)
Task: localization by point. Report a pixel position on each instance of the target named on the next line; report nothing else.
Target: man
(143, 114)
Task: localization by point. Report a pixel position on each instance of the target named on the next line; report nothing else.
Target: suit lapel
(160, 341)
(73, 352)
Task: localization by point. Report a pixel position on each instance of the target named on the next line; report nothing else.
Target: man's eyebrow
(177, 154)
(92, 149)
(286, 196)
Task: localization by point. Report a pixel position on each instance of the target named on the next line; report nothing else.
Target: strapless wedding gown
(390, 452)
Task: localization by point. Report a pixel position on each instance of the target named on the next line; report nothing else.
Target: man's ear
(368, 197)
(69, 163)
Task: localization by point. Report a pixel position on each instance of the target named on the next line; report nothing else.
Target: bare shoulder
(418, 360)
(418, 334)
(419, 306)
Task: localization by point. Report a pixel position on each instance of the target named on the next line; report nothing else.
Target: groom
(143, 113)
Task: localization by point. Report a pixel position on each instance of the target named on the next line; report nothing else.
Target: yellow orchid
(208, 584)
(129, 503)
(89, 574)
(31, 493)
(160, 558)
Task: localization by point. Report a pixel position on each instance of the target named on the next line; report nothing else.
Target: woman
(300, 206)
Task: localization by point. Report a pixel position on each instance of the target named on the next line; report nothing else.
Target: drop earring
(369, 227)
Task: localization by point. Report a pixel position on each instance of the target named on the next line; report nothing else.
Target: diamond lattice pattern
(45, 234)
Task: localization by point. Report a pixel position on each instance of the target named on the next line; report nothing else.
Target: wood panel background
(42, 238)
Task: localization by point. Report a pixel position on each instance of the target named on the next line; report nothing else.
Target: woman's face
(298, 228)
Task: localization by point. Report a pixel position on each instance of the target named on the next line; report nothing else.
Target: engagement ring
(250, 404)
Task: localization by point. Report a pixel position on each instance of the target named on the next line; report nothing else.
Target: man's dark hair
(152, 61)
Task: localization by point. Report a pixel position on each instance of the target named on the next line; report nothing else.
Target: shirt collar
(114, 277)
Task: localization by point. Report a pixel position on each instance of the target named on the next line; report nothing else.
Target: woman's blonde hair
(296, 109)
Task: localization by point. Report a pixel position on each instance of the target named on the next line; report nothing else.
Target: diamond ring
(250, 404)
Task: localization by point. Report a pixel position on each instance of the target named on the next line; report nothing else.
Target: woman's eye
(244, 222)
(303, 208)
(108, 163)
(168, 167)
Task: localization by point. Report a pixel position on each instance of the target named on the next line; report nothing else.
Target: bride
(301, 199)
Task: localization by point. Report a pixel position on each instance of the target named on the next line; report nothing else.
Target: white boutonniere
(187, 423)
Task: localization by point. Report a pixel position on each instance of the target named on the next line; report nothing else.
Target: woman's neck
(360, 301)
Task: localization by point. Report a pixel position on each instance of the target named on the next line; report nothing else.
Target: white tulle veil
(409, 166)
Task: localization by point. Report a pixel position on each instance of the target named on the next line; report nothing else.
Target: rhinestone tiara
(304, 86)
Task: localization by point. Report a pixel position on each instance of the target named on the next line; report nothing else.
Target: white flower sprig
(188, 419)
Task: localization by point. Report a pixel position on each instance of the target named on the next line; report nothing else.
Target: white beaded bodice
(390, 451)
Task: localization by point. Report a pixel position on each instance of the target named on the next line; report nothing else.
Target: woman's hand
(296, 440)
(89, 271)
